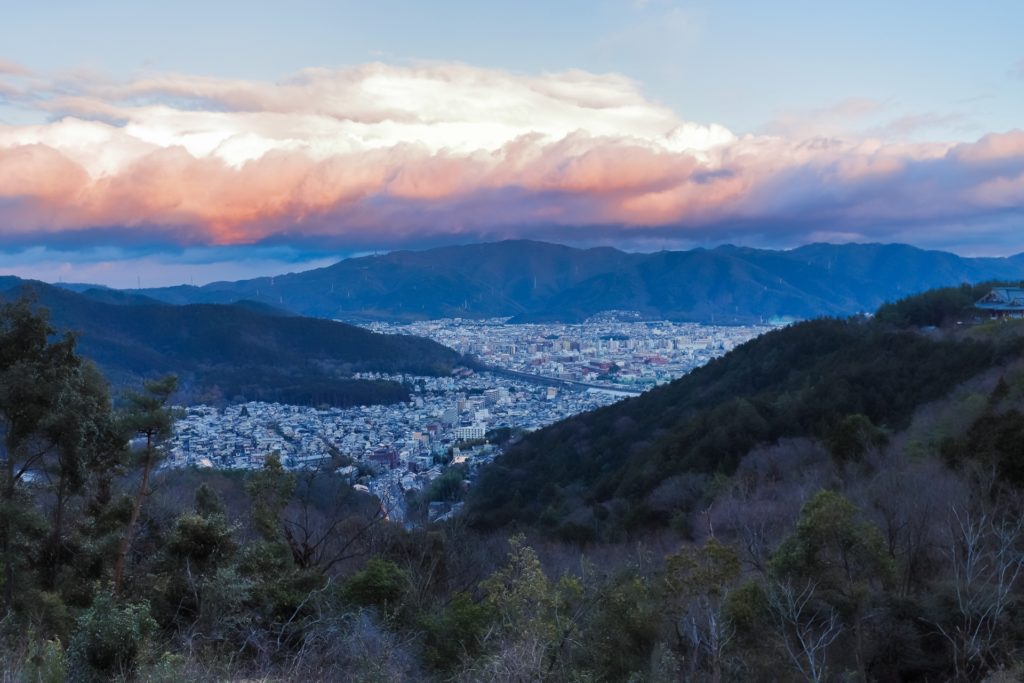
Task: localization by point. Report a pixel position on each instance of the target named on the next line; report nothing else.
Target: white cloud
(440, 107)
(387, 151)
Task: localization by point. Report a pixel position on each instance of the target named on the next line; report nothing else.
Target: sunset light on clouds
(382, 155)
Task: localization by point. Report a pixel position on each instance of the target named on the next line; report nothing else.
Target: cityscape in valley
(540, 374)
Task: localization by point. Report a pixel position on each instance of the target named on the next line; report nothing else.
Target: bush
(380, 584)
(454, 632)
(109, 639)
(47, 662)
(169, 668)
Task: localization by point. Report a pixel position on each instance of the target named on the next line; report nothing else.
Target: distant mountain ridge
(246, 350)
(538, 281)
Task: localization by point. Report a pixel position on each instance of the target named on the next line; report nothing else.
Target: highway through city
(558, 381)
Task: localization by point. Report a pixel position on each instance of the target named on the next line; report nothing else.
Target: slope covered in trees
(234, 352)
(600, 472)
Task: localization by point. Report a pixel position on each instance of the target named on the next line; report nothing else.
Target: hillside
(231, 352)
(856, 482)
(606, 471)
(532, 281)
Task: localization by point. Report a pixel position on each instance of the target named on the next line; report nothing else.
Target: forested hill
(233, 352)
(606, 471)
(532, 281)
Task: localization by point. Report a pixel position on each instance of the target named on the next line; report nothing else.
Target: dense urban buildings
(611, 350)
(541, 373)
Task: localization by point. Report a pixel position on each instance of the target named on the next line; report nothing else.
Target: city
(612, 350)
(541, 373)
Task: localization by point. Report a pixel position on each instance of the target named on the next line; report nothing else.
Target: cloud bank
(384, 155)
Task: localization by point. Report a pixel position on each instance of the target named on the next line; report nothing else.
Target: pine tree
(149, 416)
(36, 381)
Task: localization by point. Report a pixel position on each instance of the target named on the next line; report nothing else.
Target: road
(559, 382)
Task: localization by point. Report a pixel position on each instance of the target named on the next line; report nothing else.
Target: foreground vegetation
(840, 500)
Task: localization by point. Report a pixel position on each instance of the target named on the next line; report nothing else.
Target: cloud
(835, 119)
(382, 155)
(12, 69)
(909, 124)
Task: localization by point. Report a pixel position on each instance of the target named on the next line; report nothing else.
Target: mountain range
(245, 350)
(536, 281)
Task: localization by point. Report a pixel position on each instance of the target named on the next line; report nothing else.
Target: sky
(164, 143)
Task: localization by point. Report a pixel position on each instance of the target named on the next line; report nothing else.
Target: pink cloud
(382, 152)
(13, 69)
(993, 147)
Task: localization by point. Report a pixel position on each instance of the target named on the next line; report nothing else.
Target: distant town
(609, 351)
(539, 374)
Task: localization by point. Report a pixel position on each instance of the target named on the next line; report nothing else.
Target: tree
(270, 489)
(453, 631)
(852, 438)
(539, 624)
(327, 522)
(763, 502)
(519, 595)
(198, 546)
(697, 581)
(804, 631)
(844, 557)
(35, 380)
(279, 590)
(910, 502)
(986, 560)
(86, 440)
(147, 415)
(618, 626)
(520, 591)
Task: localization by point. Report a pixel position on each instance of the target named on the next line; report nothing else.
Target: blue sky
(897, 100)
(741, 64)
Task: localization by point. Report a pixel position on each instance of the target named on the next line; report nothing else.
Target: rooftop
(1003, 299)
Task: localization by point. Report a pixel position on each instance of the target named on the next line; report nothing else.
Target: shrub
(47, 662)
(380, 584)
(109, 639)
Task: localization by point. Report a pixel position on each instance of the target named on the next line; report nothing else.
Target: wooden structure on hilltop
(1003, 302)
